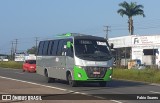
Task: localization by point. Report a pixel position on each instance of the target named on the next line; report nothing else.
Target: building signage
(146, 41)
(142, 40)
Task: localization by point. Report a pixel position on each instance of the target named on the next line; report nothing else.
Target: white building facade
(145, 48)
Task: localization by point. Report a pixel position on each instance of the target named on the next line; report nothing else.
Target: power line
(151, 27)
(144, 24)
(139, 27)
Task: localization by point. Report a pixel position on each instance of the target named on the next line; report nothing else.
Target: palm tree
(130, 10)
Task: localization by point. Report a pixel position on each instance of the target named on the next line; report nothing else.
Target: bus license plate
(96, 72)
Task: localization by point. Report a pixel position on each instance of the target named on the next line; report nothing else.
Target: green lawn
(146, 75)
(11, 64)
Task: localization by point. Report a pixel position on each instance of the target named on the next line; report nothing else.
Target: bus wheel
(102, 84)
(70, 81)
(49, 80)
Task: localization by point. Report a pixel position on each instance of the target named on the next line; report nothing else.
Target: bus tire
(102, 84)
(70, 81)
(49, 80)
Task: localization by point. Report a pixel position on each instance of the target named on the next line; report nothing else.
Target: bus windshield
(89, 49)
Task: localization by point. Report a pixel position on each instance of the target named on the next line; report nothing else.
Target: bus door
(70, 57)
(61, 59)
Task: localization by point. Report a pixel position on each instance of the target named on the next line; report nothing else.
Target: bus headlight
(79, 75)
(110, 76)
(110, 67)
(81, 67)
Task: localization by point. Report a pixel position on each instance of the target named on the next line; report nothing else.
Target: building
(3, 57)
(145, 48)
(20, 57)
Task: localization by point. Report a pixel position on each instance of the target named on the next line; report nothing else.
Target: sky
(25, 20)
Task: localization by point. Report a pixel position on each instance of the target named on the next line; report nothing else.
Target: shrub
(11, 64)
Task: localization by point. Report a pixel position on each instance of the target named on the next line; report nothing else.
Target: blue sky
(26, 19)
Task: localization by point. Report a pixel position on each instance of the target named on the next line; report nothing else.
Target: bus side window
(60, 46)
(45, 48)
(50, 47)
(54, 48)
(40, 48)
(64, 48)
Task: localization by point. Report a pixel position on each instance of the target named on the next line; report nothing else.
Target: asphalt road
(114, 87)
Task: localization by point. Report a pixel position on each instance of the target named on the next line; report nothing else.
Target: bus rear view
(83, 58)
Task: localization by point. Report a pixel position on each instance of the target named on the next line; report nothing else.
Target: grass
(11, 64)
(145, 75)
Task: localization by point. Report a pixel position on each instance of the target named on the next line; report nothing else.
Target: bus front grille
(95, 72)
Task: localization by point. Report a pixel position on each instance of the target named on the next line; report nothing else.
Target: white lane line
(116, 101)
(155, 84)
(80, 93)
(34, 83)
(56, 88)
(99, 97)
(154, 92)
(96, 96)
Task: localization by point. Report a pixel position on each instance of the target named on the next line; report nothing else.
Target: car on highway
(29, 65)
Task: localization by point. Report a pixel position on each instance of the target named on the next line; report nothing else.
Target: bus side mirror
(112, 45)
(69, 44)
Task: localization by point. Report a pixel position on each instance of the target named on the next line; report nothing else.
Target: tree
(32, 50)
(130, 10)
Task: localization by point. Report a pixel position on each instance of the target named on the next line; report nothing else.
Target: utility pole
(36, 44)
(12, 50)
(107, 30)
(16, 45)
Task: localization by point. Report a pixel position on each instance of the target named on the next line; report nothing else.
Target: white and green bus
(75, 58)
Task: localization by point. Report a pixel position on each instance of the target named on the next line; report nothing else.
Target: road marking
(57, 88)
(80, 93)
(99, 97)
(34, 83)
(154, 92)
(96, 96)
(154, 84)
(116, 101)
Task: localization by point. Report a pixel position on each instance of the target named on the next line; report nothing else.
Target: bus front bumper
(79, 74)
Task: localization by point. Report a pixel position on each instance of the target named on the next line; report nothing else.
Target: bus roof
(74, 35)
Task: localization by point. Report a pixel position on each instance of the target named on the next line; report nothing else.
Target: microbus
(75, 58)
